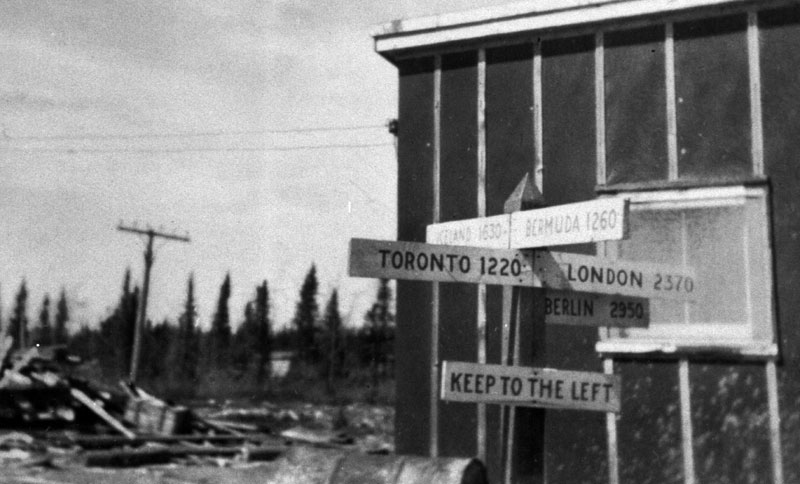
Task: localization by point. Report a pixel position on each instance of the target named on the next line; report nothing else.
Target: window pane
(712, 98)
(636, 112)
(712, 241)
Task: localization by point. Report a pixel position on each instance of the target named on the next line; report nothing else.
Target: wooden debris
(109, 441)
(128, 458)
(100, 412)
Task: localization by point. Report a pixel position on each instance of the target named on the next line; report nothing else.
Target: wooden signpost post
(539, 288)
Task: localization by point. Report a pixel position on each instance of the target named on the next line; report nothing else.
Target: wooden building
(689, 108)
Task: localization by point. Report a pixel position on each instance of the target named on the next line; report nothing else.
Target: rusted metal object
(324, 466)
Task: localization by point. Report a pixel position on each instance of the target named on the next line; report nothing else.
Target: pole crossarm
(153, 233)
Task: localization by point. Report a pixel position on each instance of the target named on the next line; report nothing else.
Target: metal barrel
(327, 466)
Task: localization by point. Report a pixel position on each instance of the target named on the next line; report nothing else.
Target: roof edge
(528, 15)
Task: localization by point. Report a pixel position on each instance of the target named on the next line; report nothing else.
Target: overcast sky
(169, 114)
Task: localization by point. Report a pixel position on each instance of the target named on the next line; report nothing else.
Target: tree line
(180, 357)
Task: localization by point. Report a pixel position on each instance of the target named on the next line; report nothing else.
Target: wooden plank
(152, 456)
(489, 232)
(584, 273)
(442, 263)
(100, 412)
(573, 223)
(591, 309)
(529, 387)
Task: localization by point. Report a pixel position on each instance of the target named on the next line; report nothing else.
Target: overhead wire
(194, 150)
(186, 134)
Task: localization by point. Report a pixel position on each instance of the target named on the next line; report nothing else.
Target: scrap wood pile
(50, 418)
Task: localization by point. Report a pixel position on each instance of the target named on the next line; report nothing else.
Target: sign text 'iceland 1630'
(532, 387)
(442, 263)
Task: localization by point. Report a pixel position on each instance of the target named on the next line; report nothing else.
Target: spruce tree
(44, 331)
(380, 321)
(220, 336)
(117, 331)
(18, 324)
(60, 334)
(185, 348)
(305, 318)
(264, 333)
(332, 345)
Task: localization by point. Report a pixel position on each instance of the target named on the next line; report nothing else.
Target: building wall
(729, 411)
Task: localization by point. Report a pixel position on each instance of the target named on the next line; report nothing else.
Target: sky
(213, 119)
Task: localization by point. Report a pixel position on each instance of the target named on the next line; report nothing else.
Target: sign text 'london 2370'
(533, 387)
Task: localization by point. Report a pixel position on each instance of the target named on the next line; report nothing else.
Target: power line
(192, 150)
(187, 134)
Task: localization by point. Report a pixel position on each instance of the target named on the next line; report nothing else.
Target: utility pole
(142, 313)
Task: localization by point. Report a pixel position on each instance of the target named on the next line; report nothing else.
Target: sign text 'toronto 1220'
(551, 270)
(573, 223)
(442, 263)
(531, 387)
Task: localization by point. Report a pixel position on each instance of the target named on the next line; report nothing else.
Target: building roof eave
(527, 16)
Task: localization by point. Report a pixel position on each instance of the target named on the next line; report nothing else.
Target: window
(720, 232)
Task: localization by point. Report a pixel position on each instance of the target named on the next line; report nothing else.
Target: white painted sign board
(553, 270)
(573, 223)
(489, 232)
(531, 387)
(591, 309)
(442, 263)
(585, 273)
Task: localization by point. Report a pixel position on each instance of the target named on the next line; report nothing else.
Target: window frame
(757, 336)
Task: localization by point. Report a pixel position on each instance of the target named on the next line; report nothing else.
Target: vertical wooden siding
(415, 211)
(458, 200)
(712, 98)
(729, 410)
(730, 422)
(780, 74)
(635, 87)
(569, 159)
(509, 155)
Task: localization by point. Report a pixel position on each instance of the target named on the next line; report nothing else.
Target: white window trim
(755, 339)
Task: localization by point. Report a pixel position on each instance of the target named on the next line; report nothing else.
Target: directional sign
(531, 387)
(584, 273)
(443, 263)
(589, 309)
(490, 232)
(552, 270)
(574, 223)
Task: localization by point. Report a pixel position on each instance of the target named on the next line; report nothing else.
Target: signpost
(563, 288)
(530, 387)
(574, 223)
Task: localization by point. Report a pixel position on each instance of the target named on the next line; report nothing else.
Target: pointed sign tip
(525, 196)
